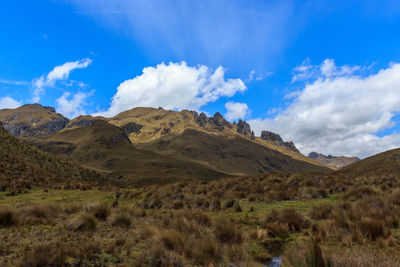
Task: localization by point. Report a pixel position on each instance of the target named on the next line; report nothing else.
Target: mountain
(106, 148)
(336, 162)
(23, 166)
(156, 144)
(233, 155)
(209, 139)
(32, 120)
(385, 164)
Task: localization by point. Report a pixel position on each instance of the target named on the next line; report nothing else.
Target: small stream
(275, 262)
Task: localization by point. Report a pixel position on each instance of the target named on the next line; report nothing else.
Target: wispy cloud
(8, 102)
(61, 72)
(208, 31)
(11, 82)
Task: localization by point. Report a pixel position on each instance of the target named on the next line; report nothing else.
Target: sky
(324, 74)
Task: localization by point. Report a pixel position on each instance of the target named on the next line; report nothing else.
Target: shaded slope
(235, 155)
(24, 166)
(382, 164)
(32, 120)
(105, 147)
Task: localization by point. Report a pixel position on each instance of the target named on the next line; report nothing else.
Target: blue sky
(320, 73)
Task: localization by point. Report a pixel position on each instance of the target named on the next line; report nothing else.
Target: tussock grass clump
(227, 232)
(82, 222)
(8, 216)
(321, 212)
(289, 217)
(121, 219)
(38, 213)
(100, 210)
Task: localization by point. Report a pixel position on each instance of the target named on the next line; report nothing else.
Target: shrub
(372, 228)
(227, 232)
(321, 212)
(100, 210)
(82, 222)
(206, 250)
(8, 217)
(290, 217)
(121, 219)
(173, 240)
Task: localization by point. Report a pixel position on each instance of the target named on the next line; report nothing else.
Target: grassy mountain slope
(382, 164)
(105, 147)
(147, 126)
(32, 120)
(24, 166)
(234, 155)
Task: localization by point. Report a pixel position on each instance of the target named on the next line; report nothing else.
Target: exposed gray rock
(131, 127)
(277, 140)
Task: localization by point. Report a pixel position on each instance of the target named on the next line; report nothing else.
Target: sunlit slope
(105, 147)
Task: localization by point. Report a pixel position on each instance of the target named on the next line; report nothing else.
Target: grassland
(242, 221)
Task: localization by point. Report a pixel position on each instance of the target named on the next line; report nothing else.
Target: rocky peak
(244, 128)
(277, 140)
(32, 120)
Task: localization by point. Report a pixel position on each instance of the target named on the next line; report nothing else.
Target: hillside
(233, 155)
(23, 166)
(105, 147)
(333, 161)
(383, 164)
(147, 126)
(32, 120)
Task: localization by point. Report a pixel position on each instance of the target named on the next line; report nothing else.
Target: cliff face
(32, 120)
(337, 162)
(277, 140)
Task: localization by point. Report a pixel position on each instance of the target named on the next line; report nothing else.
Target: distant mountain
(337, 162)
(23, 166)
(32, 120)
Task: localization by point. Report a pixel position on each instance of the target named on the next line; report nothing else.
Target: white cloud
(341, 113)
(326, 69)
(72, 106)
(174, 86)
(13, 82)
(257, 76)
(236, 110)
(8, 102)
(58, 73)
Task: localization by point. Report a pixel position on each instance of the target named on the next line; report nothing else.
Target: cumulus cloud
(174, 86)
(340, 112)
(8, 102)
(58, 73)
(236, 110)
(72, 106)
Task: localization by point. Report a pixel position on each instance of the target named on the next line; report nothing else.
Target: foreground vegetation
(307, 220)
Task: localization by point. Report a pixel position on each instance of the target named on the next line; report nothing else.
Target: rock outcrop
(244, 128)
(277, 140)
(32, 120)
